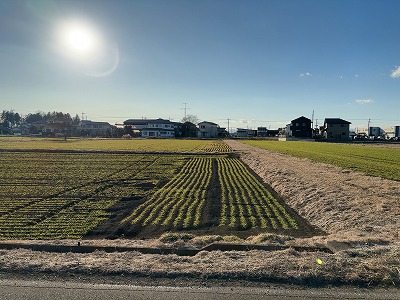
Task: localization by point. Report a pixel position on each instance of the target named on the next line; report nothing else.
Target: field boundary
(114, 152)
(78, 248)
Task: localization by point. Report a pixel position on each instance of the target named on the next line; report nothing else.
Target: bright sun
(78, 39)
(86, 47)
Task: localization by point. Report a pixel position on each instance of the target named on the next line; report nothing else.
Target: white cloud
(395, 73)
(305, 74)
(243, 121)
(365, 101)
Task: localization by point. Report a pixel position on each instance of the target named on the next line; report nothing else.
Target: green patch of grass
(374, 161)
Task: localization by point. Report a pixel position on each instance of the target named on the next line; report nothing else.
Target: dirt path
(340, 202)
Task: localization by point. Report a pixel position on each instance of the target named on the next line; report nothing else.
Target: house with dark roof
(336, 128)
(300, 128)
(153, 128)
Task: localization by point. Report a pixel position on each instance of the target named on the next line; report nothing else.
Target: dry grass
(367, 265)
(338, 201)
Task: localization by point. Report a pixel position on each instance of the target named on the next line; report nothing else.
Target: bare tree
(191, 118)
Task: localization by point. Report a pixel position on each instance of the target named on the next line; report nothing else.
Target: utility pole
(369, 121)
(185, 108)
(228, 128)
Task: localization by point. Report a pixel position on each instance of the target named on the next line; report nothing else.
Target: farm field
(374, 161)
(59, 195)
(132, 145)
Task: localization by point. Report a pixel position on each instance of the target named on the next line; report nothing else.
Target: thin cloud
(365, 101)
(395, 73)
(243, 121)
(305, 74)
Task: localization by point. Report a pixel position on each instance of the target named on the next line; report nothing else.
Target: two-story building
(300, 128)
(153, 128)
(208, 130)
(335, 128)
(91, 128)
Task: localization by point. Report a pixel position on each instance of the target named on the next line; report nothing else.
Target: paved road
(32, 290)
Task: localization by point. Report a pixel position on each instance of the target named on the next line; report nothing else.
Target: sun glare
(89, 50)
(78, 39)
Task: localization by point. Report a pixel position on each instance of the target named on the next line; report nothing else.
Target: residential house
(153, 128)
(264, 132)
(208, 130)
(396, 131)
(375, 132)
(300, 128)
(243, 132)
(335, 128)
(222, 132)
(91, 128)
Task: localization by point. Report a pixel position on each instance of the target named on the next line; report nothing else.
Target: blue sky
(256, 62)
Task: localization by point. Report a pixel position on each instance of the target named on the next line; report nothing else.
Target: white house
(159, 128)
(153, 128)
(208, 129)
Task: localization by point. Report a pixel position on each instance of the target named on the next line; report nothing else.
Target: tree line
(11, 119)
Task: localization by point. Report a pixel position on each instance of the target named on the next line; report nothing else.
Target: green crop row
(371, 160)
(246, 202)
(179, 203)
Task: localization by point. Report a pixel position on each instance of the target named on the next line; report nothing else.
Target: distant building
(91, 128)
(208, 130)
(376, 132)
(300, 128)
(222, 132)
(335, 128)
(243, 132)
(153, 128)
(262, 131)
(397, 131)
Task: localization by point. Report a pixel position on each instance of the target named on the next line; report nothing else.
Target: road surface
(49, 290)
